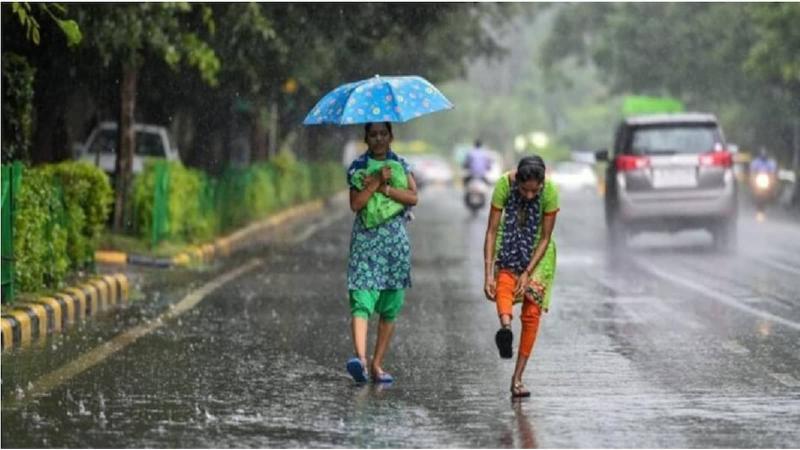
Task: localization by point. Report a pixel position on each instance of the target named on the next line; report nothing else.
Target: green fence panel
(160, 223)
(11, 179)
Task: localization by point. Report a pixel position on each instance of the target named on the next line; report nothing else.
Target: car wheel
(725, 235)
(617, 233)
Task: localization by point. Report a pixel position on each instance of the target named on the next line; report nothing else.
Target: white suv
(670, 172)
(100, 148)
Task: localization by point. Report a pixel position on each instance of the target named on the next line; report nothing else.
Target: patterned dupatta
(519, 235)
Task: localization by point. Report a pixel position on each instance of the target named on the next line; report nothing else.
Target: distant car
(152, 141)
(668, 173)
(573, 176)
(430, 169)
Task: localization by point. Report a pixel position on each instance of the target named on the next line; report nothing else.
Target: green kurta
(544, 272)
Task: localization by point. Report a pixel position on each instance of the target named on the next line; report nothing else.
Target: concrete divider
(33, 319)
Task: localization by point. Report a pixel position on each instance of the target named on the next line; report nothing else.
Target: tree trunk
(127, 142)
(259, 137)
(273, 129)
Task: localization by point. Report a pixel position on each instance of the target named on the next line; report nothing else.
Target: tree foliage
(737, 60)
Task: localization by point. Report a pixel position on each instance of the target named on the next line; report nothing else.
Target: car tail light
(626, 163)
(718, 159)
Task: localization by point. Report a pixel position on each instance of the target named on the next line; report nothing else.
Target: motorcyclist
(763, 180)
(763, 163)
(477, 163)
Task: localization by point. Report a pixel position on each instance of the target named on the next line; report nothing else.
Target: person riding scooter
(763, 179)
(478, 163)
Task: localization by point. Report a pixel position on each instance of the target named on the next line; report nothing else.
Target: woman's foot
(379, 376)
(518, 390)
(504, 340)
(357, 369)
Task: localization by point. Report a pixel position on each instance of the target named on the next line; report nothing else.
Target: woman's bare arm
(407, 197)
(488, 251)
(359, 199)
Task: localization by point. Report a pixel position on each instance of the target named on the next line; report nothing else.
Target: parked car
(573, 176)
(100, 148)
(668, 173)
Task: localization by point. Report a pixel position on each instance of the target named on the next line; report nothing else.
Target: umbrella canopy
(378, 99)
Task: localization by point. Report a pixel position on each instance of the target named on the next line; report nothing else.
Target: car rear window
(673, 139)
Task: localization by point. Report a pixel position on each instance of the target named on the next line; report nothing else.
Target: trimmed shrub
(188, 218)
(87, 197)
(40, 235)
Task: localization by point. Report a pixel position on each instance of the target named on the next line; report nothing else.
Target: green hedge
(201, 206)
(61, 211)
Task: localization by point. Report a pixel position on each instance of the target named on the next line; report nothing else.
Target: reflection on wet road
(666, 345)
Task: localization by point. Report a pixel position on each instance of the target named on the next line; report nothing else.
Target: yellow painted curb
(110, 257)
(55, 306)
(8, 334)
(55, 313)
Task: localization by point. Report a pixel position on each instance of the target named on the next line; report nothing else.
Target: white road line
(735, 347)
(60, 376)
(786, 379)
(313, 228)
(726, 299)
(778, 265)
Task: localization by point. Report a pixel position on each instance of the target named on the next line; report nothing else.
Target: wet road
(668, 345)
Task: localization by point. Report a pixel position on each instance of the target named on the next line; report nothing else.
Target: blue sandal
(357, 370)
(383, 377)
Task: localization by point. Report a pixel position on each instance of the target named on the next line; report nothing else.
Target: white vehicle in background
(100, 148)
(430, 169)
(573, 176)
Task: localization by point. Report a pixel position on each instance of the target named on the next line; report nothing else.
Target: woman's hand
(490, 288)
(386, 174)
(522, 282)
(372, 182)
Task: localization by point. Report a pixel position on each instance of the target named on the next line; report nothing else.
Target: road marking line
(314, 227)
(778, 265)
(59, 376)
(728, 300)
(735, 347)
(786, 379)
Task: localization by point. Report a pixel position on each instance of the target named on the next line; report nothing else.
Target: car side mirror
(601, 155)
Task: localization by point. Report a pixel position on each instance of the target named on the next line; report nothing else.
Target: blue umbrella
(378, 99)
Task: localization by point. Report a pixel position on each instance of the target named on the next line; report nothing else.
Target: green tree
(737, 60)
(124, 35)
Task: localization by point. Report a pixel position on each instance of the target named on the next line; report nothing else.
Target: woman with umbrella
(379, 267)
(382, 188)
(520, 256)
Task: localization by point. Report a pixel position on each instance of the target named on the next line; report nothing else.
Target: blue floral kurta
(380, 257)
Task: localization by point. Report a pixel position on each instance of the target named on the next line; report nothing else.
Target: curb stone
(31, 320)
(223, 246)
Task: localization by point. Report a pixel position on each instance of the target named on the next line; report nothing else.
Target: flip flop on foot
(518, 391)
(382, 377)
(504, 339)
(357, 370)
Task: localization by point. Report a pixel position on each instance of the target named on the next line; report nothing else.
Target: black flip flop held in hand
(504, 339)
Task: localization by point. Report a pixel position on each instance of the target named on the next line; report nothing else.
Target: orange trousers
(531, 313)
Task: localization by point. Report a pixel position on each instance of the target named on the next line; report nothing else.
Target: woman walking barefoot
(520, 257)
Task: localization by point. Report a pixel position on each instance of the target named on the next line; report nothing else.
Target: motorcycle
(476, 194)
(763, 188)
